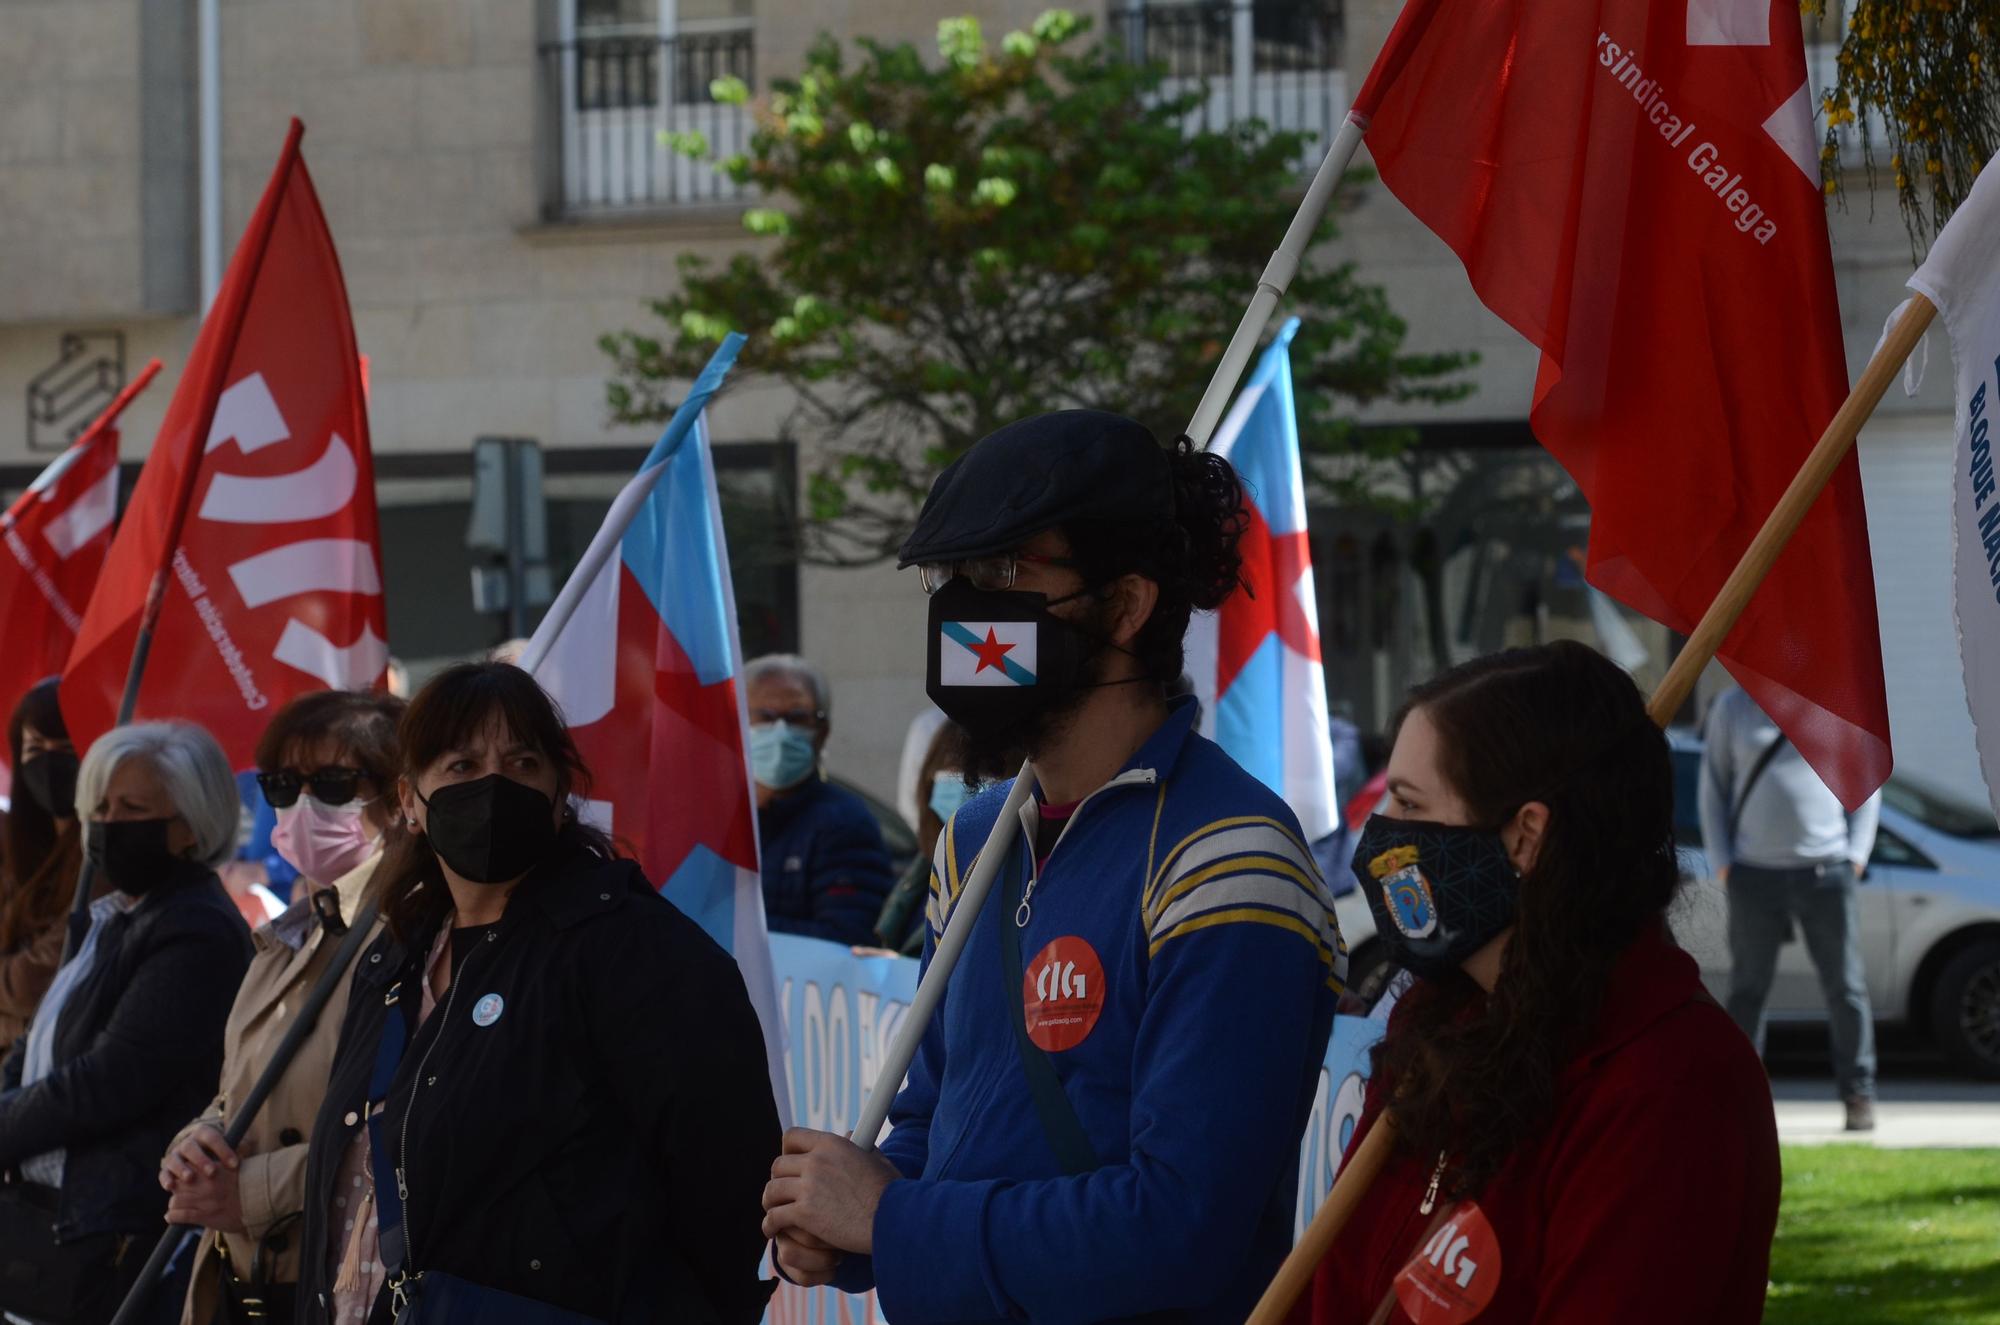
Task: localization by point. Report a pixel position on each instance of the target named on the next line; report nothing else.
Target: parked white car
(1930, 918)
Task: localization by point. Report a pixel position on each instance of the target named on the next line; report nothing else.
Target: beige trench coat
(273, 1154)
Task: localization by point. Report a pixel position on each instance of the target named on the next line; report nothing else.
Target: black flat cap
(1068, 467)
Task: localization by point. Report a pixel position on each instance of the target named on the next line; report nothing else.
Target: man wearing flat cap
(1103, 1120)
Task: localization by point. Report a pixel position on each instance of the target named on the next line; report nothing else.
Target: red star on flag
(991, 654)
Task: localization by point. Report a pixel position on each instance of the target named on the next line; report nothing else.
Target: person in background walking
(826, 872)
(1787, 852)
(44, 853)
(327, 765)
(128, 1042)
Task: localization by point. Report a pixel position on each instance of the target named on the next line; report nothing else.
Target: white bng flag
(1962, 277)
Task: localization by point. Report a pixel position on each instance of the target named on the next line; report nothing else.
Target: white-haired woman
(127, 1044)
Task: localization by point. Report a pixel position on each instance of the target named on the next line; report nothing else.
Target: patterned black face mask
(1439, 892)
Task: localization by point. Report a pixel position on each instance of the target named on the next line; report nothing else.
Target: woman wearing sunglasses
(327, 765)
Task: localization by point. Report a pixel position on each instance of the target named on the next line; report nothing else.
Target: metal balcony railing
(1271, 60)
(625, 103)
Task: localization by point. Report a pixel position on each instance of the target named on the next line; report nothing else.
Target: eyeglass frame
(950, 570)
(281, 789)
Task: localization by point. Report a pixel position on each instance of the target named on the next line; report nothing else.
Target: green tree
(1922, 73)
(957, 244)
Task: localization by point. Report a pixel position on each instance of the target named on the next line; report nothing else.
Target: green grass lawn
(1883, 1237)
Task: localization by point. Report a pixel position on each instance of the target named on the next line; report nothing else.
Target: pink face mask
(323, 842)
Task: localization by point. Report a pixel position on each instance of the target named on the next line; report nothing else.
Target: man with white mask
(327, 764)
(826, 872)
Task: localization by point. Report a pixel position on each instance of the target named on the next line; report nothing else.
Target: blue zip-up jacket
(826, 871)
(1220, 963)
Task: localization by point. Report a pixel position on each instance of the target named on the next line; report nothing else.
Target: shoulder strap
(1060, 1124)
(1764, 759)
(381, 1148)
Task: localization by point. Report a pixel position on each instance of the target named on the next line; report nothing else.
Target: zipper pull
(403, 1188)
(1430, 1192)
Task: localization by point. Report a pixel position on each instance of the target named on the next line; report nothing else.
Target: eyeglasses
(790, 717)
(988, 573)
(332, 785)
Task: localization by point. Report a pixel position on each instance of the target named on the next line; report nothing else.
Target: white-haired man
(826, 872)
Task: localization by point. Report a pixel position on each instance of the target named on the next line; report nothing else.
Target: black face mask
(132, 854)
(1439, 892)
(50, 779)
(490, 830)
(1000, 660)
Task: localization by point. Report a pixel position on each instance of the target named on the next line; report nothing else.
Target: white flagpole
(1271, 287)
(1277, 278)
(626, 508)
(964, 915)
(603, 546)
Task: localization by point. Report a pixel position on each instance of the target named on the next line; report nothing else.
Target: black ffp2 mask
(1439, 892)
(491, 829)
(132, 854)
(50, 778)
(998, 658)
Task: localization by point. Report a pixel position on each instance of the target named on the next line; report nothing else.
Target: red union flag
(1634, 188)
(56, 535)
(255, 512)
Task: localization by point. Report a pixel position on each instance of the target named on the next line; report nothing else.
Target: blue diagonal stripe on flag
(1016, 673)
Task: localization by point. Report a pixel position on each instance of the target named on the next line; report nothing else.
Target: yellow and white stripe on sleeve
(1245, 870)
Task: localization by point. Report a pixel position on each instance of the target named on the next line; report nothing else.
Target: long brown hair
(43, 853)
(1474, 1074)
(448, 712)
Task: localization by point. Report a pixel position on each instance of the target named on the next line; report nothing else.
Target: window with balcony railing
(1272, 60)
(630, 84)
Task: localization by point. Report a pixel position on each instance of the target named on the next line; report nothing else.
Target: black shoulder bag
(1764, 759)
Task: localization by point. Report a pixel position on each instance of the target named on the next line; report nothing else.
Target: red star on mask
(990, 654)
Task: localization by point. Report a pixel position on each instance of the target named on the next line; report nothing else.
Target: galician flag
(1962, 277)
(987, 653)
(645, 670)
(1255, 662)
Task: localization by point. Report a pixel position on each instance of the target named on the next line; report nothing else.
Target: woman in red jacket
(1582, 1133)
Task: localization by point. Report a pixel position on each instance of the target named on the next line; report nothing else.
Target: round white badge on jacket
(488, 1009)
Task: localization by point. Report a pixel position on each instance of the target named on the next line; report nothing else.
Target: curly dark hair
(1474, 1075)
(1194, 558)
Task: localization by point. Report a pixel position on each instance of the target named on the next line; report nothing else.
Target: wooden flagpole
(1790, 512)
(1362, 1167)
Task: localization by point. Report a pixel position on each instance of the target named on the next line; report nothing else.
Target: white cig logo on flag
(987, 653)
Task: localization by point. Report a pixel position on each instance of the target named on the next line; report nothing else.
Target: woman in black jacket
(127, 1043)
(550, 1094)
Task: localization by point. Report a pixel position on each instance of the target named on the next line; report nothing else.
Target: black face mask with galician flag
(999, 658)
(1439, 892)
